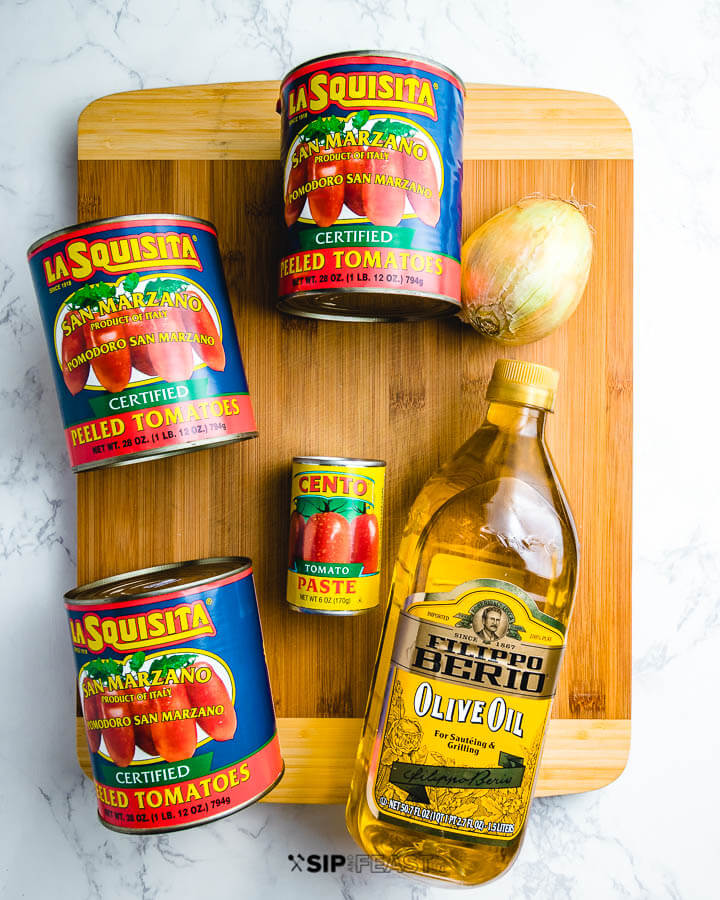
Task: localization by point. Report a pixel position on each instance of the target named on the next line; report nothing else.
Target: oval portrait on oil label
(490, 623)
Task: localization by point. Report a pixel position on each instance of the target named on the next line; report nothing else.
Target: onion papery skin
(524, 270)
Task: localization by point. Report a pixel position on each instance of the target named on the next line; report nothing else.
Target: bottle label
(472, 678)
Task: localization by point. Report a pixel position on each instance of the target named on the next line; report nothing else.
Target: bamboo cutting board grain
(409, 393)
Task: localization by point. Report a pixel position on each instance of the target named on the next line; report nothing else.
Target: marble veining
(652, 834)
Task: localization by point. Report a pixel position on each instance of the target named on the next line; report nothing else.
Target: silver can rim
(140, 217)
(285, 305)
(236, 566)
(131, 459)
(390, 54)
(345, 462)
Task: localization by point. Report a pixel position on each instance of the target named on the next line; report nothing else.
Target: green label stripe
(157, 394)
(153, 775)
(363, 234)
(415, 778)
(331, 570)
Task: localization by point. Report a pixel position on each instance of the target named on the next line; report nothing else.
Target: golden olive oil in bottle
(470, 651)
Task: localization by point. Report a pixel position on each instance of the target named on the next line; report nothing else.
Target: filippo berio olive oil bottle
(469, 657)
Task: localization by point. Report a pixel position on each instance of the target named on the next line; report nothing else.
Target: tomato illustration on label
(365, 541)
(170, 356)
(294, 197)
(327, 199)
(212, 693)
(355, 169)
(384, 197)
(297, 534)
(139, 335)
(174, 737)
(161, 718)
(161, 342)
(92, 713)
(111, 365)
(372, 184)
(118, 732)
(420, 172)
(142, 712)
(73, 345)
(198, 320)
(327, 538)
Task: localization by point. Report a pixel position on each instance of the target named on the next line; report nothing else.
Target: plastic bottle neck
(525, 421)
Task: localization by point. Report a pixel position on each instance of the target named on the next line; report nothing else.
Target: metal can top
(158, 580)
(112, 220)
(343, 461)
(390, 54)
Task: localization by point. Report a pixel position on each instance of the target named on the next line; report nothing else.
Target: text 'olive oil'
(470, 652)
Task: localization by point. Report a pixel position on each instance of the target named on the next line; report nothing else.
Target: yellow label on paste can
(335, 534)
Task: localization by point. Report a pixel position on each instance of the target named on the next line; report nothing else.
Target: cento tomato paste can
(335, 534)
(372, 181)
(141, 337)
(175, 694)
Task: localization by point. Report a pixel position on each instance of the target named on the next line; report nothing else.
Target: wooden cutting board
(409, 393)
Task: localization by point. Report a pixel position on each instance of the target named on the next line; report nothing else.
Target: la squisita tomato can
(372, 180)
(336, 519)
(175, 694)
(141, 337)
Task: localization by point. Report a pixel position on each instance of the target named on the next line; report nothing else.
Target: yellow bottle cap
(516, 381)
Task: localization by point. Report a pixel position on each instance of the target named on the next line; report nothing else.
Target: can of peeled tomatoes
(141, 337)
(175, 694)
(372, 181)
(335, 534)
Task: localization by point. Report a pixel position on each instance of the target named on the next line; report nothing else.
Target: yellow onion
(525, 270)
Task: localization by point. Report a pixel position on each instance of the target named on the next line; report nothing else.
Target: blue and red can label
(372, 177)
(141, 337)
(176, 703)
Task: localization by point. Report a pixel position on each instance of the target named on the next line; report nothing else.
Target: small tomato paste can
(335, 534)
(372, 178)
(175, 694)
(141, 337)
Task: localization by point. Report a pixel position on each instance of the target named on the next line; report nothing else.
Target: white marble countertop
(650, 834)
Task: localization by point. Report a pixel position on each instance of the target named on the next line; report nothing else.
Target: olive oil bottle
(470, 651)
